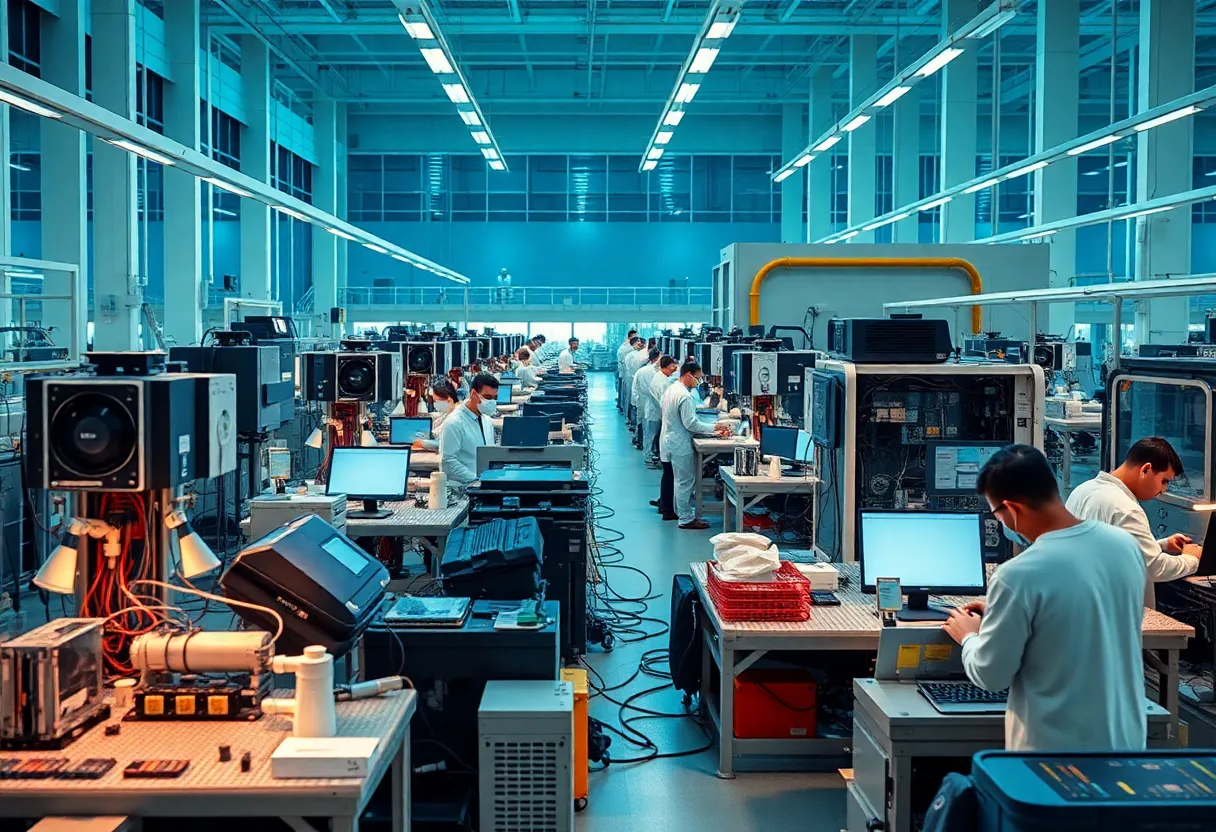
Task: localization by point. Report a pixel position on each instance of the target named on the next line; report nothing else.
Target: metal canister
(747, 461)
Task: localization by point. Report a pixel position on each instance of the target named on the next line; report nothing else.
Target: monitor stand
(371, 511)
(917, 608)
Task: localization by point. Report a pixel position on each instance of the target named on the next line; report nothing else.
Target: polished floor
(683, 792)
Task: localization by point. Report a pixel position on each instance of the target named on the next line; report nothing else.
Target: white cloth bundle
(742, 556)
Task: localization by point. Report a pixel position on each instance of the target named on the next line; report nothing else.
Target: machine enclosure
(322, 371)
(265, 400)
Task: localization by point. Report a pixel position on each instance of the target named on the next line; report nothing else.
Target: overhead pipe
(958, 263)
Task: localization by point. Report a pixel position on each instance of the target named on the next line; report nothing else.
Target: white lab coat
(680, 425)
(438, 420)
(528, 376)
(647, 407)
(462, 436)
(633, 361)
(1106, 499)
(565, 361)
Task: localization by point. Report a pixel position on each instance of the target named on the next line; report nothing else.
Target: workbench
(734, 646)
(741, 493)
(1065, 426)
(705, 448)
(209, 788)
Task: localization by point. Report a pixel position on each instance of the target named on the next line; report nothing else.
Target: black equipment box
(363, 376)
(326, 588)
(534, 478)
(1131, 791)
(890, 340)
(501, 558)
(264, 400)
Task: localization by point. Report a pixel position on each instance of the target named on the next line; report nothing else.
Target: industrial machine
(911, 436)
(893, 340)
(355, 374)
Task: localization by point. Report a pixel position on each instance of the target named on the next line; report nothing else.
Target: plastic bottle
(439, 491)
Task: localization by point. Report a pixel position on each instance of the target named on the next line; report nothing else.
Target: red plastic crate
(760, 609)
(789, 584)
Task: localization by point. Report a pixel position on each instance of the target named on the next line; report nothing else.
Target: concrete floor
(684, 792)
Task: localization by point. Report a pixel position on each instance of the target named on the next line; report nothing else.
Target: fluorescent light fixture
(132, 147)
(1167, 118)
(663, 136)
(497, 165)
(481, 137)
(937, 203)
(687, 93)
(873, 225)
(899, 217)
(226, 212)
(1148, 211)
(418, 31)
(655, 153)
(470, 118)
(704, 59)
(722, 28)
(28, 106)
(887, 221)
(784, 175)
(1095, 144)
(490, 153)
(946, 56)
(893, 96)
(803, 160)
(457, 93)
(282, 209)
(402, 259)
(24, 169)
(437, 61)
(848, 235)
(996, 22)
(337, 232)
(649, 164)
(673, 118)
(220, 183)
(827, 143)
(831, 242)
(1022, 171)
(376, 248)
(1040, 235)
(856, 122)
(981, 186)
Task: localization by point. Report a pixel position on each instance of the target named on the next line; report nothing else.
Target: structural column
(64, 176)
(343, 245)
(325, 197)
(6, 183)
(958, 122)
(1163, 163)
(1057, 94)
(863, 142)
(793, 189)
(183, 224)
(819, 195)
(255, 161)
(905, 162)
(117, 294)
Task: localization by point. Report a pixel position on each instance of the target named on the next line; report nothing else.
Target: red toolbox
(775, 704)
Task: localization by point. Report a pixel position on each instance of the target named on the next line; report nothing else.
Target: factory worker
(443, 403)
(528, 375)
(1115, 498)
(565, 361)
(659, 382)
(646, 404)
(680, 425)
(468, 428)
(1060, 628)
(622, 351)
(633, 361)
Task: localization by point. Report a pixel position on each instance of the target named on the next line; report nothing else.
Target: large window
(566, 188)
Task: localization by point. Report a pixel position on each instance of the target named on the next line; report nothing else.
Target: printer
(270, 511)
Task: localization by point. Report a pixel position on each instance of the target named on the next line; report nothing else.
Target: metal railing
(532, 296)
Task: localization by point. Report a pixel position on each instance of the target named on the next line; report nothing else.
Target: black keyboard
(496, 543)
(959, 693)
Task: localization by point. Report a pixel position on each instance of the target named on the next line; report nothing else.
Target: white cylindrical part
(438, 498)
(315, 714)
(124, 694)
(248, 651)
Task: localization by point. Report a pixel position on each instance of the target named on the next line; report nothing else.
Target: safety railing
(530, 296)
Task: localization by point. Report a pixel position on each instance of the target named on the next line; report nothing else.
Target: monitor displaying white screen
(505, 392)
(369, 473)
(923, 549)
(954, 467)
(403, 430)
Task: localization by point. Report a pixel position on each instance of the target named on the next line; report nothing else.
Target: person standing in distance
(680, 425)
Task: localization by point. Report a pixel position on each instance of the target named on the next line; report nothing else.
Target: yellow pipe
(965, 266)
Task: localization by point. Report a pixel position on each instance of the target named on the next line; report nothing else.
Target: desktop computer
(788, 443)
(404, 430)
(369, 474)
(929, 552)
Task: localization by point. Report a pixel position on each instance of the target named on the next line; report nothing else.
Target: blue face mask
(1014, 536)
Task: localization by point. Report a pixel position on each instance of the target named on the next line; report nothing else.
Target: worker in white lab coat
(443, 405)
(565, 361)
(621, 352)
(467, 429)
(680, 425)
(1115, 498)
(633, 361)
(645, 404)
(527, 374)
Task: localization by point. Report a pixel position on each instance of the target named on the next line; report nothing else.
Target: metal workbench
(741, 493)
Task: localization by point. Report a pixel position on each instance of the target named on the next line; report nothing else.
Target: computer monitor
(508, 377)
(953, 467)
(505, 391)
(779, 441)
(369, 474)
(930, 552)
(403, 430)
(525, 432)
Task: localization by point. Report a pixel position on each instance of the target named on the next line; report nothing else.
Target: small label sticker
(183, 443)
(938, 652)
(1022, 404)
(908, 658)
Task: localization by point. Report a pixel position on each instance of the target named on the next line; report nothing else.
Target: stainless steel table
(706, 447)
(741, 493)
(209, 788)
(1065, 427)
(736, 645)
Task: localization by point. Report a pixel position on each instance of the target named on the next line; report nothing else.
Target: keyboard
(496, 544)
(962, 697)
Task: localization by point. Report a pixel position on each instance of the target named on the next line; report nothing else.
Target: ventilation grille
(526, 791)
(896, 337)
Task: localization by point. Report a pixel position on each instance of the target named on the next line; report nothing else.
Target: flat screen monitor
(779, 441)
(403, 430)
(505, 391)
(953, 467)
(929, 552)
(369, 474)
(525, 431)
(508, 377)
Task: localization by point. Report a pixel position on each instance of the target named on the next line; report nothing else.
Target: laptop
(1207, 558)
(525, 432)
(412, 611)
(930, 659)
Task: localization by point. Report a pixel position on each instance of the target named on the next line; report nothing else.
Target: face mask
(487, 407)
(442, 406)
(1014, 536)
